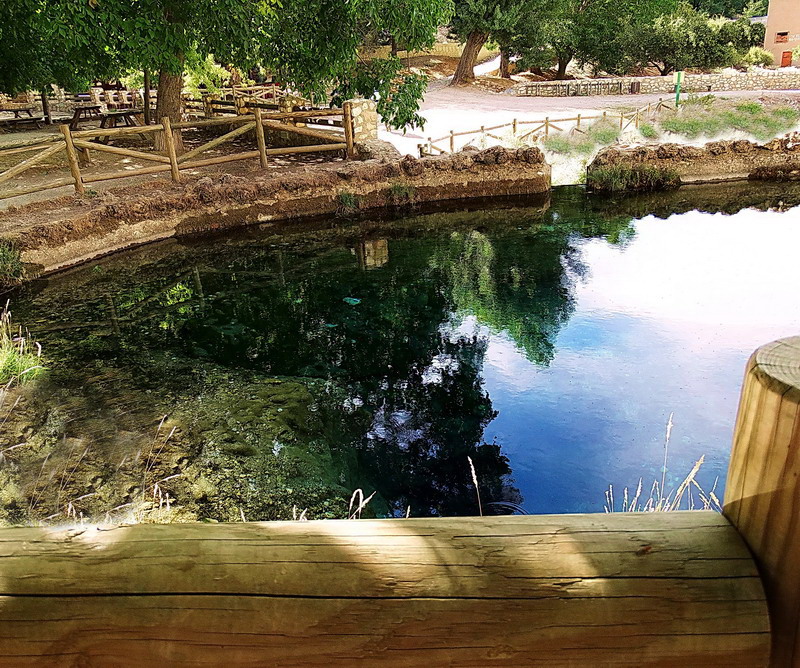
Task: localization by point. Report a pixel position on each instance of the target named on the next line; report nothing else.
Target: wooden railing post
(72, 158)
(762, 494)
(262, 144)
(169, 142)
(349, 131)
(452, 142)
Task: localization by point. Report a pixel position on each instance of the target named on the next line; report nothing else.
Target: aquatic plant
(20, 357)
(659, 499)
(12, 271)
(632, 178)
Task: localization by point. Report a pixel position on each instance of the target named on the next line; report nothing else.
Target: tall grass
(20, 357)
(12, 271)
(688, 495)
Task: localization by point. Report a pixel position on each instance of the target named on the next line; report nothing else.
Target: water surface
(280, 370)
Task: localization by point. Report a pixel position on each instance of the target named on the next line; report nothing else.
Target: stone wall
(716, 161)
(126, 218)
(365, 120)
(787, 78)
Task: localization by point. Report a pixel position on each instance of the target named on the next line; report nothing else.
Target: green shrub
(627, 178)
(757, 55)
(648, 131)
(12, 270)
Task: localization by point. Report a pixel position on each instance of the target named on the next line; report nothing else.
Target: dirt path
(466, 108)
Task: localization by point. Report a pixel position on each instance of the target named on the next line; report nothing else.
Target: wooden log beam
(673, 589)
(762, 495)
(118, 150)
(217, 141)
(30, 162)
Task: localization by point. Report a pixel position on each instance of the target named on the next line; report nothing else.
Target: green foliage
(689, 38)
(648, 130)
(204, 74)
(601, 133)
(749, 117)
(349, 203)
(402, 193)
(597, 32)
(757, 55)
(310, 44)
(19, 356)
(604, 132)
(12, 271)
(632, 178)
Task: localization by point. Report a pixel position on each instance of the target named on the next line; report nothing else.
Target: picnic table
(86, 112)
(128, 118)
(18, 108)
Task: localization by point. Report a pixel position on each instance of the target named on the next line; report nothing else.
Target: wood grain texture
(762, 497)
(676, 589)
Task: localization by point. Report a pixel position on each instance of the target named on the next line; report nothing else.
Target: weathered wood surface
(676, 589)
(762, 495)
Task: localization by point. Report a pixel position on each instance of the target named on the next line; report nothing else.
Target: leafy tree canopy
(310, 44)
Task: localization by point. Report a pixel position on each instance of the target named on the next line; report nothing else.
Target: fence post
(762, 494)
(621, 120)
(349, 131)
(547, 126)
(578, 124)
(514, 127)
(72, 158)
(262, 144)
(452, 142)
(169, 142)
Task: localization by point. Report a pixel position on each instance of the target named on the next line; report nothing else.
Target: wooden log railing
(762, 495)
(542, 127)
(677, 589)
(83, 141)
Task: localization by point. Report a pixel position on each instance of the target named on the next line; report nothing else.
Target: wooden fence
(541, 128)
(79, 143)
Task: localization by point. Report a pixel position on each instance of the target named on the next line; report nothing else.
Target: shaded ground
(102, 162)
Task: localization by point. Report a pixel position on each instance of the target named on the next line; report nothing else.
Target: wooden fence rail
(544, 126)
(647, 589)
(78, 144)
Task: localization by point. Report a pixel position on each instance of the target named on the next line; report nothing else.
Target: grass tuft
(630, 178)
(12, 271)
(648, 131)
(20, 357)
(402, 193)
(349, 203)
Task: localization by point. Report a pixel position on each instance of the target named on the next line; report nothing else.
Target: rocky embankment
(716, 161)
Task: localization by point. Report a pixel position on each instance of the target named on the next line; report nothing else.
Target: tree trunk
(465, 72)
(168, 103)
(394, 46)
(46, 107)
(505, 65)
(146, 101)
(563, 62)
